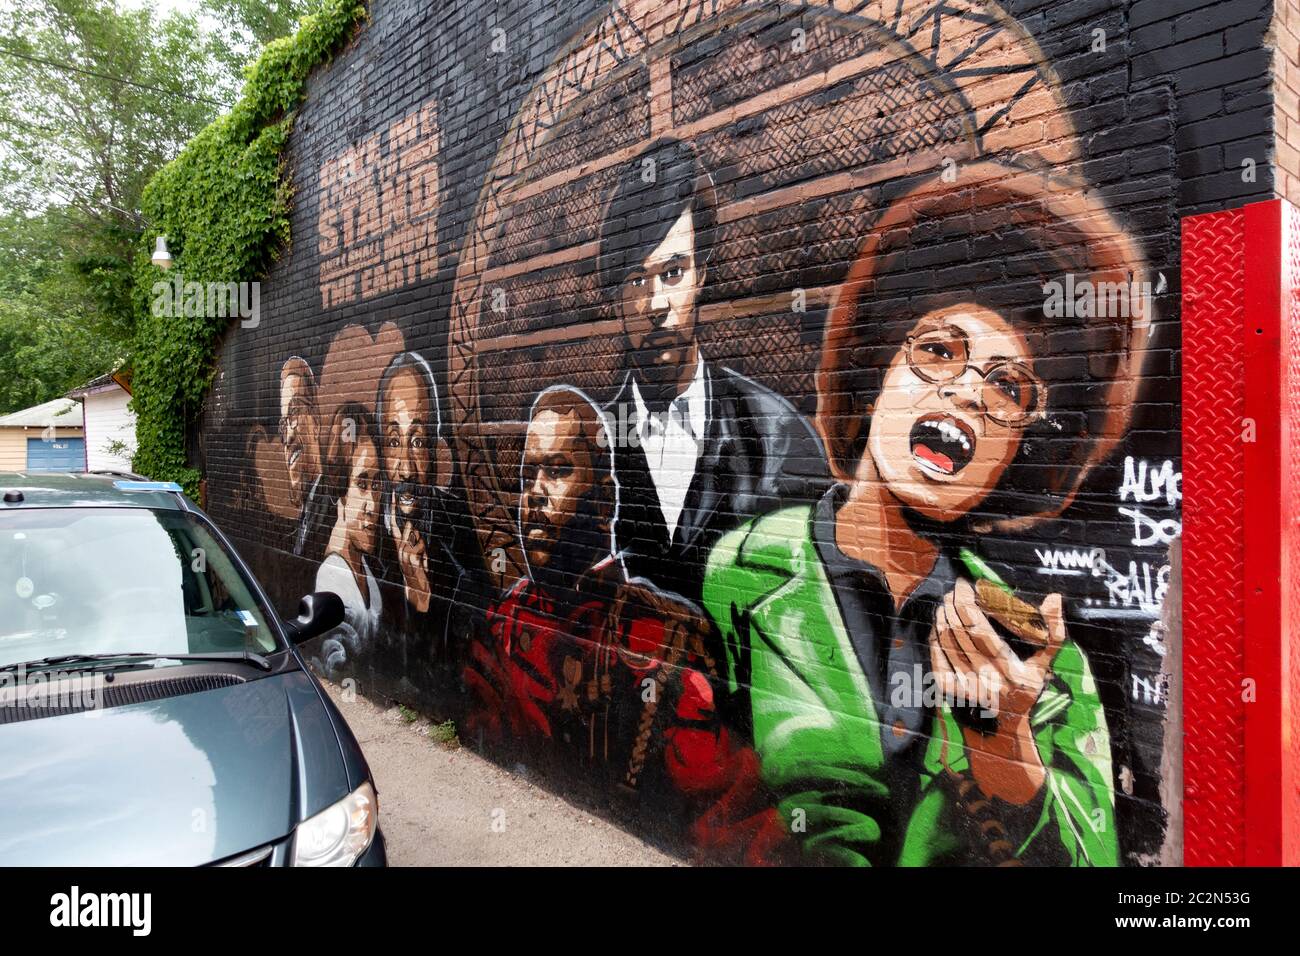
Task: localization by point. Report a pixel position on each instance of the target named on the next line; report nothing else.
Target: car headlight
(338, 834)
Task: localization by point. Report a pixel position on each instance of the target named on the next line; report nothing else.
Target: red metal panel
(1261, 697)
(1214, 282)
(1289, 650)
(1241, 535)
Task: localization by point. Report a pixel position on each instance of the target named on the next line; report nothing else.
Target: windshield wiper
(44, 662)
(137, 657)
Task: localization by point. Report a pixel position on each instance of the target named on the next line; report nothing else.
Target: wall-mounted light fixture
(161, 257)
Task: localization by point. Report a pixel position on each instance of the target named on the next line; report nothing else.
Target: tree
(245, 26)
(48, 345)
(94, 99)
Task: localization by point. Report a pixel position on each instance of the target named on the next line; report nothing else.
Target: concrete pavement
(449, 807)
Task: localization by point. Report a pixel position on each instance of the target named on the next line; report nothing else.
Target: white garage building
(109, 423)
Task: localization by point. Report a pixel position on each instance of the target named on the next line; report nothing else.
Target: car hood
(175, 782)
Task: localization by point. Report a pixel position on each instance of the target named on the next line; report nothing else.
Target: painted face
(949, 416)
(300, 435)
(408, 428)
(657, 304)
(555, 479)
(361, 503)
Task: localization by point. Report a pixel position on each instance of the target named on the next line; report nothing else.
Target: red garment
(511, 677)
(626, 680)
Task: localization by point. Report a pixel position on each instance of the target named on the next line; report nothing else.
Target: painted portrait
(754, 459)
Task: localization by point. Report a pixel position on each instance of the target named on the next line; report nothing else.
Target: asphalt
(442, 805)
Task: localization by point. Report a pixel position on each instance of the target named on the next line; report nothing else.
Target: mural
(776, 340)
(374, 505)
(846, 616)
(607, 672)
(378, 220)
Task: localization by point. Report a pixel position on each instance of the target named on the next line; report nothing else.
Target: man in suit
(582, 664)
(701, 448)
(301, 440)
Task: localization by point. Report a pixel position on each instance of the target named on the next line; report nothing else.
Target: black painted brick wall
(1166, 115)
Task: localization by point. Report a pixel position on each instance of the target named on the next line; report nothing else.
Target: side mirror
(317, 613)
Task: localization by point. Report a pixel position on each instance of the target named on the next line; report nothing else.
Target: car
(154, 710)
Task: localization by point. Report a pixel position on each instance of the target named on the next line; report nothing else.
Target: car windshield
(120, 581)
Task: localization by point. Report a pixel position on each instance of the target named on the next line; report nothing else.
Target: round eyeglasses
(299, 408)
(1012, 395)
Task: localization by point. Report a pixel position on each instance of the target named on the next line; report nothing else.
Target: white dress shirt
(672, 440)
(361, 612)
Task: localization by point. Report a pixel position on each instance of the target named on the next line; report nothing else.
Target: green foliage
(445, 734)
(94, 98)
(243, 27)
(50, 342)
(75, 131)
(407, 714)
(223, 205)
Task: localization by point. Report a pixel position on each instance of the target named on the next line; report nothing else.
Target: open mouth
(942, 444)
(293, 455)
(405, 494)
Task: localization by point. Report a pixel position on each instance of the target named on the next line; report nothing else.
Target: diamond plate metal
(1214, 292)
(1290, 513)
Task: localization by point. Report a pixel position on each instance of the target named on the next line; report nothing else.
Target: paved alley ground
(440, 806)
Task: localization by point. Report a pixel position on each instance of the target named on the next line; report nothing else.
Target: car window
(120, 580)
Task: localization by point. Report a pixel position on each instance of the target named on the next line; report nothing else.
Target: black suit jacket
(758, 454)
(315, 522)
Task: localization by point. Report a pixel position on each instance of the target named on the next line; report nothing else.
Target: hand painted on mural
(412, 558)
(966, 651)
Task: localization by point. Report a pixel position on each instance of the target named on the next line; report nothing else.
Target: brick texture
(502, 189)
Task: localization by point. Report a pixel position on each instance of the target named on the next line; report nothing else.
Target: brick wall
(1286, 97)
(874, 300)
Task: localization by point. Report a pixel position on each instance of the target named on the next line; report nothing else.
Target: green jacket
(815, 728)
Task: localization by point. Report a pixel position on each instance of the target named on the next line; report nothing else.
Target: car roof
(87, 490)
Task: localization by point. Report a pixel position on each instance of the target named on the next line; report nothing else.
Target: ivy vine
(223, 205)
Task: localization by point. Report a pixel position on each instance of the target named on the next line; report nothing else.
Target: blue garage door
(62, 454)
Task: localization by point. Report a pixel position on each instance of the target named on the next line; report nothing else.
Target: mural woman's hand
(972, 662)
(415, 572)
